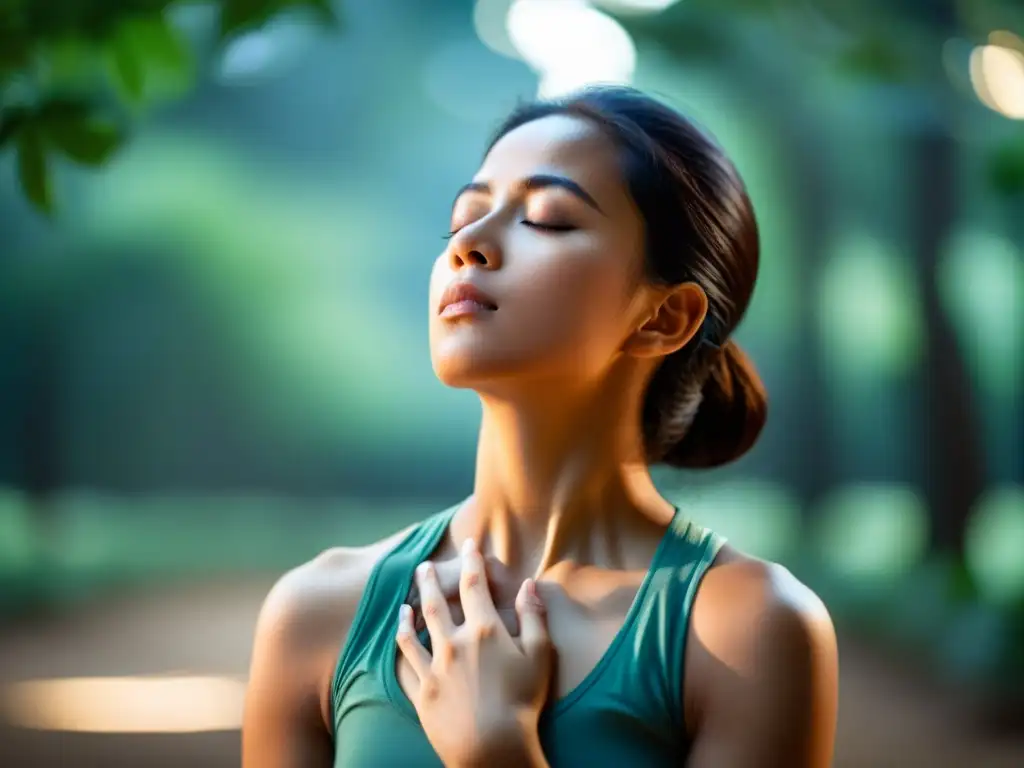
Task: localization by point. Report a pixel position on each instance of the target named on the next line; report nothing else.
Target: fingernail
(423, 568)
(468, 546)
(404, 617)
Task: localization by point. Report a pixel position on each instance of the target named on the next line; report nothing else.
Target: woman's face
(550, 237)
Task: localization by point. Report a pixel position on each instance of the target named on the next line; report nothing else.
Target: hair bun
(732, 412)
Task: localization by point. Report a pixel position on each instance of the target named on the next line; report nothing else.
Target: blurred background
(217, 221)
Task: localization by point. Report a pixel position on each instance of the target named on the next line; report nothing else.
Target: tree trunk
(955, 466)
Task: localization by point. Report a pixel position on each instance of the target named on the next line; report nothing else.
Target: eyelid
(549, 227)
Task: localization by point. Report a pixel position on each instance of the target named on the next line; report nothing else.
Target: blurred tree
(69, 70)
(71, 74)
(898, 45)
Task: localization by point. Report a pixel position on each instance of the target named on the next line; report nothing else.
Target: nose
(470, 248)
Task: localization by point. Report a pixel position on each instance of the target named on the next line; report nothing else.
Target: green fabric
(626, 712)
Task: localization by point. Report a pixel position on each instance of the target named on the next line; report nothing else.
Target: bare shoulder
(319, 598)
(762, 643)
(305, 620)
(743, 599)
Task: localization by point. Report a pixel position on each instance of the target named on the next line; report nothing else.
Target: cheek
(571, 307)
(583, 289)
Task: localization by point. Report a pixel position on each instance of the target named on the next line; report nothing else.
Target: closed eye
(548, 227)
(532, 224)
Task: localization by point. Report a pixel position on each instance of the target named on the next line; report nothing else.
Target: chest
(586, 616)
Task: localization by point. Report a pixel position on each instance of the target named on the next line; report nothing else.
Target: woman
(597, 266)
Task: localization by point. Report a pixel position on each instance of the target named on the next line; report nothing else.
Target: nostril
(475, 257)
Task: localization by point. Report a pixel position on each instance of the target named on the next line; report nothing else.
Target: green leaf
(11, 121)
(125, 65)
(149, 59)
(71, 64)
(33, 169)
(158, 43)
(239, 16)
(87, 140)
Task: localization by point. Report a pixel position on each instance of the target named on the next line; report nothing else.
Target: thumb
(533, 623)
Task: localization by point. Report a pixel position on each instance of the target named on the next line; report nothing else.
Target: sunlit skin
(562, 501)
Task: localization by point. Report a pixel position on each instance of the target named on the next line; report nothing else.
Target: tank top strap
(663, 618)
(376, 618)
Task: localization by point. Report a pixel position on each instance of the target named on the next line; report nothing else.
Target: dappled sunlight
(872, 533)
(869, 311)
(981, 279)
(761, 518)
(995, 545)
(570, 44)
(997, 73)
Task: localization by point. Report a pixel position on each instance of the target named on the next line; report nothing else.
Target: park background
(217, 221)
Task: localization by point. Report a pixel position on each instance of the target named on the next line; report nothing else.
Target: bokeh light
(570, 44)
(997, 74)
(995, 544)
(873, 532)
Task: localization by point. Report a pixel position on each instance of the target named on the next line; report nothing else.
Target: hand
(504, 590)
(480, 694)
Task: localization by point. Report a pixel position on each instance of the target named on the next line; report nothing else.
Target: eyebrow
(535, 182)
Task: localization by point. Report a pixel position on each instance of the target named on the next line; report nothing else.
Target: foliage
(875, 39)
(905, 45)
(72, 72)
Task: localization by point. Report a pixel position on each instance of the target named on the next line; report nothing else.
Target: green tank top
(627, 712)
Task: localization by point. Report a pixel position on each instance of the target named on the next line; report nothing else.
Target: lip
(461, 299)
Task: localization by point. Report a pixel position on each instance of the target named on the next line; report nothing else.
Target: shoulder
(324, 592)
(305, 619)
(760, 640)
(744, 600)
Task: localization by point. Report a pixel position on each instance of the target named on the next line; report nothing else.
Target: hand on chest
(586, 610)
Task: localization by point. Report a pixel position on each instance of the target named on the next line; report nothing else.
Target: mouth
(464, 300)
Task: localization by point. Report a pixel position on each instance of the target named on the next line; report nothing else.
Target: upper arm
(298, 635)
(768, 674)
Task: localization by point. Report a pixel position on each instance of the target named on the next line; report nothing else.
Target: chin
(465, 373)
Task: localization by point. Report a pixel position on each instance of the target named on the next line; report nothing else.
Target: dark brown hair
(705, 405)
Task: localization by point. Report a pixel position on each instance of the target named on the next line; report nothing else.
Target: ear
(678, 316)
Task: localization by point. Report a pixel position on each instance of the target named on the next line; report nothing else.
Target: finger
(410, 646)
(477, 604)
(435, 606)
(533, 624)
(448, 574)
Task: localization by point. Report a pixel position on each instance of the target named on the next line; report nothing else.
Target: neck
(559, 480)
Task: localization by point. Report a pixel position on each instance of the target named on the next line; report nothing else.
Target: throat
(550, 489)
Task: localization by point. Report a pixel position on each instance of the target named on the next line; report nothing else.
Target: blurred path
(886, 719)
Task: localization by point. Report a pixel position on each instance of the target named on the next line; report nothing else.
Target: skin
(562, 499)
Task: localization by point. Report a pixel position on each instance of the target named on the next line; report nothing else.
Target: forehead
(568, 146)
